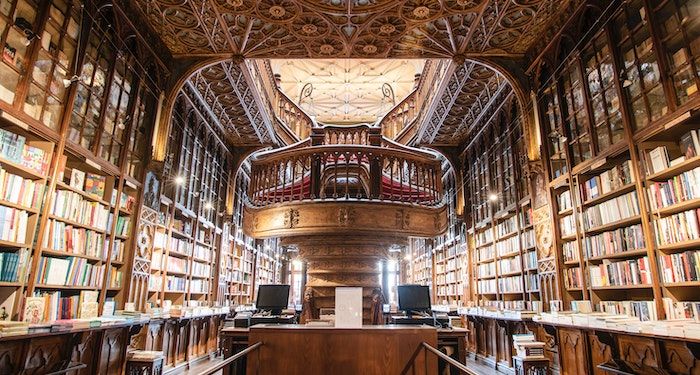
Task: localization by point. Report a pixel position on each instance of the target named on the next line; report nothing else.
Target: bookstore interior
(350, 187)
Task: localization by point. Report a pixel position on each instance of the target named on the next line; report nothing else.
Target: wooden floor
(481, 368)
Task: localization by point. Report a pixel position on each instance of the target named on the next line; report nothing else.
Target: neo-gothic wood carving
(350, 28)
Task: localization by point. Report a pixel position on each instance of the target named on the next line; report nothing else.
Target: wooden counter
(350, 342)
(295, 349)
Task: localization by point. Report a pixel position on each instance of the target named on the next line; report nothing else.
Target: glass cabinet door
(54, 63)
(17, 32)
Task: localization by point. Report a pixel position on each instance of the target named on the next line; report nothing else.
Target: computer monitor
(414, 298)
(272, 297)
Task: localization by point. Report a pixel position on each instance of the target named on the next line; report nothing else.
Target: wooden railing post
(375, 175)
(315, 175)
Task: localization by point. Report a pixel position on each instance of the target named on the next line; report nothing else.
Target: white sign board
(348, 307)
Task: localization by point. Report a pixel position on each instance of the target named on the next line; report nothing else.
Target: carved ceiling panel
(228, 97)
(293, 29)
(350, 28)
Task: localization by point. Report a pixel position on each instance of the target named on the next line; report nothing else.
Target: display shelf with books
(450, 270)
(267, 263)
(672, 165)
(24, 168)
(421, 262)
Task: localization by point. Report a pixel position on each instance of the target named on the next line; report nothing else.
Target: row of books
(507, 226)
(155, 283)
(484, 237)
(202, 252)
(681, 309)
(118, 250)
(14, 147)
(660, 158)
(90, 183)
(532, 283)
(644, 310)
(680, 188)
(612, 210)
(530, 260)
(72, 206)
(487, 252)
(199, 286)
(70, 271)
(175, 284)
(13, 265)
(450, 277)
(564, 200)
(570, 251)
(508, 246)
(528, 239)
(567, 225)
(626, 272)
(115, 278)
(617, 241)
(680, 227)
(50, 307)
(126, 201)
(180, 246)
(67, 238)
(573, 278)
(177, 265)
(21, 191)
(511, 284)
(680, 267)
(509, 265)
(486, 286)
(13, 224)
(608, 181)
(450, 290)
(122, 228)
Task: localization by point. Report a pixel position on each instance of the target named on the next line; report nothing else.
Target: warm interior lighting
(208, 206)
(493, 197)
(179, 180)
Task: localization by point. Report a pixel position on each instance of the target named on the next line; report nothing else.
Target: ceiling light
(68, 82)
(493, 197)
(208, 206)
(179, 180)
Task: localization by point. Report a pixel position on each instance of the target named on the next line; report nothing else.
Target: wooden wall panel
(572, 351)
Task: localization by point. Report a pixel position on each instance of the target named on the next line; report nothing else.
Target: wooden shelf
(19, 206)
(90, 197)
(682, 284)
(76, 224)
(667, 173)
(511, 273)
(21, 170)
(618, 287)
(69, 287)
(614, 225)
(609, 195)
(67, 254)
(676, 208)
(683, 245)
(622, 254)
(14, 284)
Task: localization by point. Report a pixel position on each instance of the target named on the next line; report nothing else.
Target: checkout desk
(300, 349)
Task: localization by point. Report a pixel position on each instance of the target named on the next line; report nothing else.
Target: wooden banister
(228, 361)
(451, 361)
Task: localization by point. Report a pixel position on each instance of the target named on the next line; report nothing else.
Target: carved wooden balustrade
(398, 123)
(292, 116)
(336, 172)
(400, 117)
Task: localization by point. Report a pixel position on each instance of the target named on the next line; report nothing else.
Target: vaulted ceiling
(507, 29)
